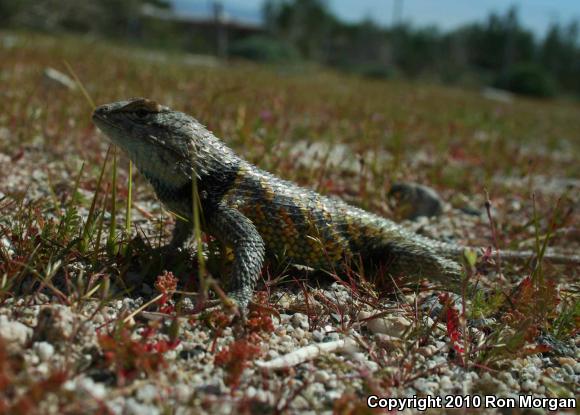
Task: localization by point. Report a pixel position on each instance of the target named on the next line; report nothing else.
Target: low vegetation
(71, 253)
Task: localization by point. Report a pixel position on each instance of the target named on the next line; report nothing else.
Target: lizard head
(167, 146)
(135, 123)
(160, 141)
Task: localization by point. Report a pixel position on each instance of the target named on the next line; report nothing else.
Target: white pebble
(44, 350)
(528, 386)
(132, 407)
(317, 336)
(88, 385)
(445, 383)
(394, 326)
(300, 320)
(182, 393)
(14, 332)
(147, 393)
(321, 376)
(424, 386)
(298, 333)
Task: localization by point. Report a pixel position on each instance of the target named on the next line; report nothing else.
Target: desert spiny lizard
(258, 214)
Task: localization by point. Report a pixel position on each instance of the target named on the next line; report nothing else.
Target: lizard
(259, 215)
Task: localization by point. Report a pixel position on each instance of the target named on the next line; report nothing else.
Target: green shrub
(527, 79)
(264, 49)
(374, 71)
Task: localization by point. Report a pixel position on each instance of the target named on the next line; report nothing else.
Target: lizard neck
(211, 186)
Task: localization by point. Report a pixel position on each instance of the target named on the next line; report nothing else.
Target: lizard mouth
(111, 129)
(100, 118)
(117, 134)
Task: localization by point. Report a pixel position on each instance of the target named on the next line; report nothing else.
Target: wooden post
(221, 30)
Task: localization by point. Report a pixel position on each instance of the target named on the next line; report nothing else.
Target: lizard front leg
(233, 229)
(182, 233)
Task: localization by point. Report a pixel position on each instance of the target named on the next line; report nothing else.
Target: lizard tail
(455, 251)
(552, 257)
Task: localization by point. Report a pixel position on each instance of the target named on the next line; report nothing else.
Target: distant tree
(264, 49)
(499, 43)
(560, 54)
(270, 11)
(361, 48)
(8, 8)
(307, 24)
(498, 51)
(415, 51)
(109, 17)
(527, 79)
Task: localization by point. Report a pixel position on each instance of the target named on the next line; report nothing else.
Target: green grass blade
(112, 245)
(128, 208)
(90, 218)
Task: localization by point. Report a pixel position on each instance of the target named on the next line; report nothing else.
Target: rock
(489, 385)
(428, 351)
(424, 386)
(300, 320)
(331, 337)
(44, 350)
(335, 156)
(568, 369)
(528, 386)
(182, 392)
(321, 376)
(318, 336)
(132, 407)
(9, 41)
(55, 324)
(445, 383)
(147, 393)
(52, 78)
(191, 353)
(86, 387)
(432, 305)
(299, 333)
(558, 347)
(508, 380)
(14, 333)
(387, 341)
(7, 244)
(413, 200)
(394, 326)
(498, 95)
(566, 360)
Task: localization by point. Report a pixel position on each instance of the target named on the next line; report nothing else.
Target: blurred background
(459, 115)
(527, 47)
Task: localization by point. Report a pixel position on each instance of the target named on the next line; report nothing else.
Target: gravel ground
(328, 351)
(99, 332)
(381, 358)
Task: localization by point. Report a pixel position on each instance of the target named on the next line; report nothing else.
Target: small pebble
(14, 332)
(300, 320)
(528, 386)
(147, 393)
(132, 407)
(321, 376)
(395, 326)
(317, 336)
(445, 383)
(45, 350)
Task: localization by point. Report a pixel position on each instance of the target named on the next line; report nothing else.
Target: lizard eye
(141, 113)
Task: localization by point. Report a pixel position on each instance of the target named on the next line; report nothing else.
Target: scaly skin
(257, 214)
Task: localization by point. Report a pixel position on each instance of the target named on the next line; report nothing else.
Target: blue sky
(447, 14)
